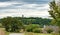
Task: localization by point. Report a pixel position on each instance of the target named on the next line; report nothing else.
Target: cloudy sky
(28, 8)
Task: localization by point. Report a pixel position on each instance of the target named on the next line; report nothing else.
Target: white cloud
(28, 10)
(5, 4)
(25, 12)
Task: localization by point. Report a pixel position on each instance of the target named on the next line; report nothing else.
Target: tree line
(14, 24)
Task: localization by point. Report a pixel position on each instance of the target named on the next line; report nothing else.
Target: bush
(29, 28)
(49, 30)
(59, 31)
(37, 30)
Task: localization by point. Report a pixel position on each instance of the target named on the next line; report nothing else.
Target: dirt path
(16, 34)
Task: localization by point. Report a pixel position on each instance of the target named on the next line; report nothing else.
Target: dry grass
(2, 31)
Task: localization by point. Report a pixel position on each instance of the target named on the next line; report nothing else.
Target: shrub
(59, 31)
(37, 30)
(29, 28)
(49, 30)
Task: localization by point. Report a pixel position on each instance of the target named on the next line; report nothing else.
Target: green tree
(55, 13)
(12, 24)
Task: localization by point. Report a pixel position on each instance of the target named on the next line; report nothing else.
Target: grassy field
(36, 34)
(41, 34)
(7, 33)
(32, 34)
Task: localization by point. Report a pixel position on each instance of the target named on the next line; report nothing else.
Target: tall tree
(11, 24)
(55, 13)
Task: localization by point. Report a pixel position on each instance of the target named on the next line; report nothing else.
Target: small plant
(37, 30)
(29, 30)
(59, 31)
(49, 30)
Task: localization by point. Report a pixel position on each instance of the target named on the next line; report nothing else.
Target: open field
(27, 34)
(36, 34)
(41, 34)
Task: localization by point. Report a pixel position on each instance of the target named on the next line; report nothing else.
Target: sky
(28, 8)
